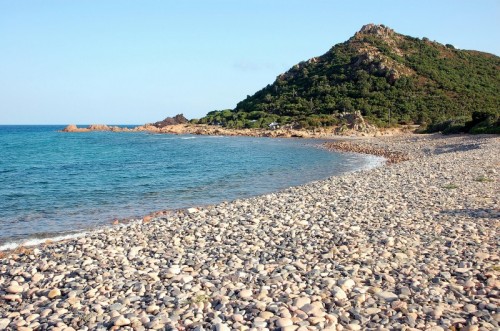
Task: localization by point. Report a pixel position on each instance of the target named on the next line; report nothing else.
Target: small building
(274, 126)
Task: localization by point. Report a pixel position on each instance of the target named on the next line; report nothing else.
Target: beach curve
(411, 245)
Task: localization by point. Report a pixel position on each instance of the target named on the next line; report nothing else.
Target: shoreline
(9, 247)
(213, 130)
(411, 245)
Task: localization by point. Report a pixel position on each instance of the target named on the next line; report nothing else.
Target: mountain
(389, 77)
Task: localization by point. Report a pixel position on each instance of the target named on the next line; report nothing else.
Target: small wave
(186, 138)
(37, 241)
(373, 162)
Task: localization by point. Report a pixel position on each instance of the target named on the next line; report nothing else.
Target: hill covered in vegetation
(389, 77)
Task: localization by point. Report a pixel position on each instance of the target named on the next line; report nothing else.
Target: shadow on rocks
(456, 148)
(477, 213)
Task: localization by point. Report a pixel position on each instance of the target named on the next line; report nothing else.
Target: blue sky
(133, 62)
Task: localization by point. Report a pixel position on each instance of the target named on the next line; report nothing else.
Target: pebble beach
(413, 245)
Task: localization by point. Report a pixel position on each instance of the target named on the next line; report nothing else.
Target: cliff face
(387, 76)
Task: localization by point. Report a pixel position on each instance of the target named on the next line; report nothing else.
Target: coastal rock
(99, 127)
(70, 128)
(177, 119)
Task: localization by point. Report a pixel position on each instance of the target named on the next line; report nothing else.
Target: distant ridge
(388, 77)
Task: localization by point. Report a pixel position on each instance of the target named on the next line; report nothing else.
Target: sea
(55, 185)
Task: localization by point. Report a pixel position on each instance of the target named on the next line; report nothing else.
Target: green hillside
(390, 78)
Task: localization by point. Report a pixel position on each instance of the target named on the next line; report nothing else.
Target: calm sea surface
(54, 183)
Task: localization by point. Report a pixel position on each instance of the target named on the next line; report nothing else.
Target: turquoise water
(53, 183)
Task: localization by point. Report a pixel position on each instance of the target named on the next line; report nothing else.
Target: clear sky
(133, 62)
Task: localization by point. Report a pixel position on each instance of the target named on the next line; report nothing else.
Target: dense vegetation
(391, 78)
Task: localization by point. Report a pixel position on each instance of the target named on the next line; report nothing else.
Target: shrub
(484, 122)
(453, 126)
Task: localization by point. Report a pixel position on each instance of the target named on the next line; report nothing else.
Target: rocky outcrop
(177, 119)
(376, 29)
(354, 122)
(70, 128)
(99, 127)
(353, 125)
(93, 127)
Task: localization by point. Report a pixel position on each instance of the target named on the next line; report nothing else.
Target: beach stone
(115, 306)
(121, 321)
(152, 309)
(37, 277)
(134, 251)
(266, 315)
(72, 300)
(470, 308)
(372, 311)
(15, 288)
(174, 270)
(346, 284)
(222, 327)
(312, 310)
(259, 323)
(387, 296)
(283, 322)
(316, 320)
(397, 305)
(353, 327)
(54, 293)
(401, 256)
(186, 279)
(339, 294)
(435, 328)
(245, 294)
(302, 301)
(4, 323)
(437, 312)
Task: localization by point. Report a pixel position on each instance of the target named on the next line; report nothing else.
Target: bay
(54, 183)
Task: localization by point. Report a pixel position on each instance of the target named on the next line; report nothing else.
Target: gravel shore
(409, 246)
